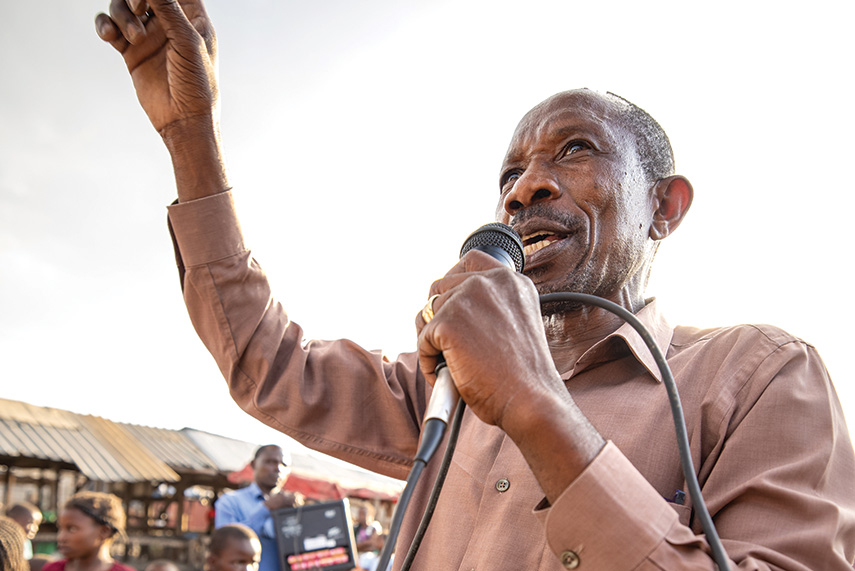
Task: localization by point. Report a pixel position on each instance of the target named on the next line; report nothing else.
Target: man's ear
(672, 198)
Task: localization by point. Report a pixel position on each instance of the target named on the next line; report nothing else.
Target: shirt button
(503, 485)
(570, 560)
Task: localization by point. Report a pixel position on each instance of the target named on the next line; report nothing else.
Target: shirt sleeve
(318, 392)
(776, 482)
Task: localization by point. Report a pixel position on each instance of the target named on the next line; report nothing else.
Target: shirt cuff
(207, 229)
(610, 517)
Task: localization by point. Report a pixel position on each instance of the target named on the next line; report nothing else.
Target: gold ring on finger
(427, 310)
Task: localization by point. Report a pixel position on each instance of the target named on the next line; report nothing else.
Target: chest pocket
(684, 513)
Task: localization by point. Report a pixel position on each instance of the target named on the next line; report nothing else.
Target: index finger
(138, 7)
(186, 19)
(478, 261)
(472, 261)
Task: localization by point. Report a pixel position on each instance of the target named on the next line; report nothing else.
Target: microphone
(504, 244)
(500, 241)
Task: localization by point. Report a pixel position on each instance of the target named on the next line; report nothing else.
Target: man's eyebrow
(559, 133)
(568, 130)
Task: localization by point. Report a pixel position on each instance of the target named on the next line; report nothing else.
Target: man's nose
(536, 184)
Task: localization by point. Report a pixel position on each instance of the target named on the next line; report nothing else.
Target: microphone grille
(497, 235)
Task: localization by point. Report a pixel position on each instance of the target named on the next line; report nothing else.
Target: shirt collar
(654, 322)
(255, 490)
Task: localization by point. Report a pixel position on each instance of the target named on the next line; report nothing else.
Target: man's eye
(509, 178)
(574, 147)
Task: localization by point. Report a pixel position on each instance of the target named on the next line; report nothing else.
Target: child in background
(234, 547)
(87, 526)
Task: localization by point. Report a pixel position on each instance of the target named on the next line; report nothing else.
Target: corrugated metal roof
(228, 454)
(101, 450)
(108, 451)
(139, 462)
(173, 447)
(17, 411)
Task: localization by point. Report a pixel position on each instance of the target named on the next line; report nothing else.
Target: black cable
(453, 432)
(394, 528)
(432, 434)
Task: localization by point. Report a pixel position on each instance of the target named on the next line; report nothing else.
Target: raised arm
(170, 50)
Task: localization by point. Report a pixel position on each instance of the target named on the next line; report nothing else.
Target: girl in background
(87, 526)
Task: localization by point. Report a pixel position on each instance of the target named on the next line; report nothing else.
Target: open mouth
(538, 241)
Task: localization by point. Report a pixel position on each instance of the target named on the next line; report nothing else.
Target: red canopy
(315, 488)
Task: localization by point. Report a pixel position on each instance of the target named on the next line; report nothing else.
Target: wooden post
(55, 507)
(10, 481)
(181, 525)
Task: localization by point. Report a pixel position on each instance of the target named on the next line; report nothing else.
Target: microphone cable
(453, 432)
(694, 489)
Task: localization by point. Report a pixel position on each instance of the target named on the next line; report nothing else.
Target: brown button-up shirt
(767, 434)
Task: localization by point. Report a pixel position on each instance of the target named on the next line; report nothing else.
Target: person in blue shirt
(252, 505)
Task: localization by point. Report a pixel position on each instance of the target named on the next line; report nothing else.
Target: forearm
(555, 438)
(197, 158)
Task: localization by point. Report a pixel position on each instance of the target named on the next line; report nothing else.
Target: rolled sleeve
(207, 229)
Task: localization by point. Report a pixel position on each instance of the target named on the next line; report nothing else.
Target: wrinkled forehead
(583, 111)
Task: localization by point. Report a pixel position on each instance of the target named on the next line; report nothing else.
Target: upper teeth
(533, 236)
(532, 248)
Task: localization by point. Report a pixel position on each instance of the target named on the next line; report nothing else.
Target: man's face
(236, 555)
(269, 469)
(573, 187)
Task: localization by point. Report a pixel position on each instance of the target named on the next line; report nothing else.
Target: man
(251, 506)
(566, 456)
(29, 517)
(233, 547)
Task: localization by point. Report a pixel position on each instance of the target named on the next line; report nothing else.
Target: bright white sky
(364, 141)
